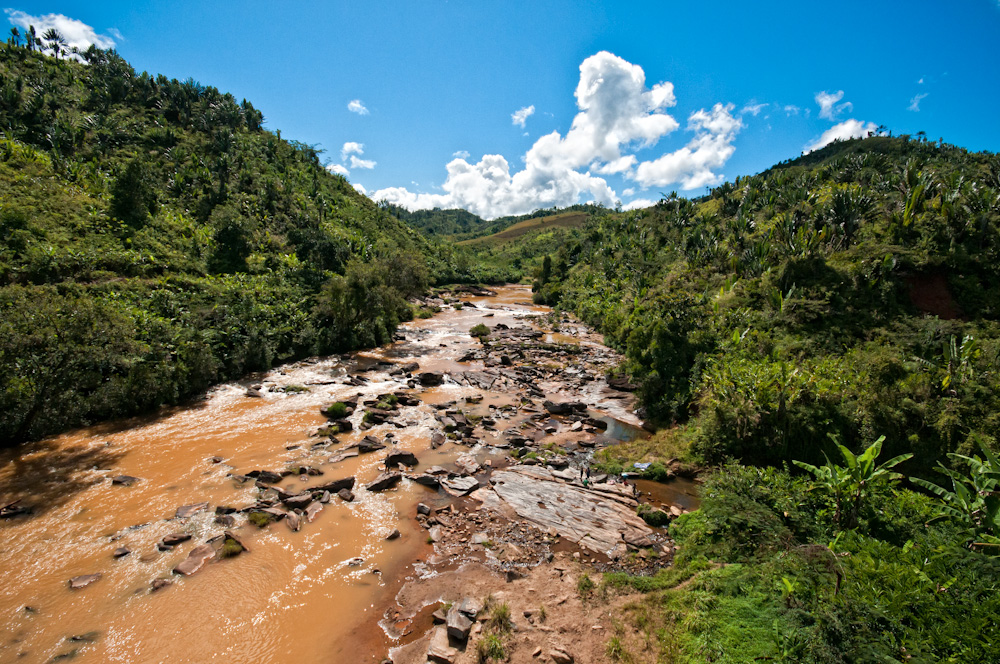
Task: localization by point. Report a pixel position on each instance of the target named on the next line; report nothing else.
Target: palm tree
(31, 38)
(15, 37)
(55, 40)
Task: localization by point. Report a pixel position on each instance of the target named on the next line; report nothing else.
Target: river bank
(343, 582)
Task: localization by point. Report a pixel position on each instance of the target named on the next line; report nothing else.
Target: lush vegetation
(155, 239)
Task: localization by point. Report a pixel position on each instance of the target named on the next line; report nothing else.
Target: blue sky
(627, 100)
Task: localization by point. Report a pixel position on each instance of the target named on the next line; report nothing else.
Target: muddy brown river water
(311, 596)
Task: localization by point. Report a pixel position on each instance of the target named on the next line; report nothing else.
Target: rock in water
(401, 457)
(124, 480)
(293, 521)
(83, 581)
(313, 511)
(346, 495)
(384, 481)
(431, 378)
(199, 555)
(186, 511)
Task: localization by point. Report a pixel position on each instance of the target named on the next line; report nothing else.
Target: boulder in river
(124, 480)
(346, 495)
(159, 584)
(369, 444)
(300, 501)
(401, 457)
(460, 486)
(335, 486)
(186, 511)
(431, 378)
(121, 552)
(83, 581)
(199, 555)
(564, 407)
(384, 481)
(173, 539)
(293, 522)
(313, 511)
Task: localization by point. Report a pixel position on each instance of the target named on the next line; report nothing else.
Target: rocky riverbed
(447, 470)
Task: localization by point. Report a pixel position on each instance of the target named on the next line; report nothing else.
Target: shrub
(490, 648)
(480, 331)
(585, 586)
(654, 517)
(337, 410)
(260, 519)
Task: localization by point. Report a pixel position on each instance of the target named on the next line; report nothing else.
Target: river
(311, 596)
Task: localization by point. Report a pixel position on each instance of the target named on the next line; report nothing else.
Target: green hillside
(155, 239)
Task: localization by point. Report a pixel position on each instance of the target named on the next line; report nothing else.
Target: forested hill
(853, 292)
(457, 225)
(155, 239)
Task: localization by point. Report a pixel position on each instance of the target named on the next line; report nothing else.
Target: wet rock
(265, 476)
(423, 509)
(436, 533)
(437, 440)
(293, 522)
(173, 539)
(324, 497)
(468, 464)
(217, 459)
(232, 537)
(125, 480)
(199, 555)
(458, 624)
(426, 479)
(254, 392)
(226, 520)
(89, 637)
(159, 584)
(393, 535)
(564, 407)
(14, 509)
(440, 651)
(431, 378)
(384, 481)
(621, 384)
(369, 444)
(313, 511)
(343, 454)
(186, 511)
(335, 486)
(460, 486)
(346, 495)
(401, 457)
(225, 509)
(121, 552)
(407, 368)
(298, 502)
(83, 581)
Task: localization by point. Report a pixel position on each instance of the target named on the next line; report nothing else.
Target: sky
(507, 107)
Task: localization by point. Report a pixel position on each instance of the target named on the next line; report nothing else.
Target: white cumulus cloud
(828, 106)
(841, 132)
(77, 33)
(639, 204)
(355, 106)
(350, 147)
(338, 169)
(693, 165)
(617, 115)
(520, 116)
(361, 163)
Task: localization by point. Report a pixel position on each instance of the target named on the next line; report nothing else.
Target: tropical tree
(849, 485)
(56, 42)
(15, 37)
(31, 38)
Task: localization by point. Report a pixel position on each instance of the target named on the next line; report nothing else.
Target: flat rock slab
(313, 511)
(460, 486)
(186, 511)
(384, 481)
(343, 454)
(403, 457)
(468, 464)
(199, 555)
(440, 650)
(597, 521)
(83, 581)
(173, 539)
(335, 486)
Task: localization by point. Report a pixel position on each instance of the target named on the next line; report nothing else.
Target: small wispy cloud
(461, 154)
(753, 109)
(915, 102)
(520, 116)
(355, 106)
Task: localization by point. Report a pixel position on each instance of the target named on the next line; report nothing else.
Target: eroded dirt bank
(348, 556)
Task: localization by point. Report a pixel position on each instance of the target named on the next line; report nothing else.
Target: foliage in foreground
(771, 574)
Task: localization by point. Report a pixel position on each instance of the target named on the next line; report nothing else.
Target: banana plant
(849, 484)
(974, 499)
